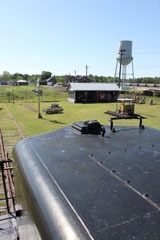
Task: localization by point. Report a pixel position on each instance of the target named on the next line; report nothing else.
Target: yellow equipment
(126, 106)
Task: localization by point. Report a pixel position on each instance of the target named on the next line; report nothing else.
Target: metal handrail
(128, 117)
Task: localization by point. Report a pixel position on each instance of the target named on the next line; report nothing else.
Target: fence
(19, 94)
(29, 96)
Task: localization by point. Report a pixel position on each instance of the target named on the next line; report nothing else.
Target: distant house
(3, 81)
(22, 82)
(12, 83)
(51, 81)
(78, 79)
(92, 92)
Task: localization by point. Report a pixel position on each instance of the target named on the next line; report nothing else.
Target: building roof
(93, 87)
(125, 100)
(21, 81)
(51, 79)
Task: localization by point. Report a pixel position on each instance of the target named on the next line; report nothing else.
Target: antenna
(86, 70)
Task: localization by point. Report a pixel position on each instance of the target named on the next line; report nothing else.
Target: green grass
(26, 94)
(30, 125)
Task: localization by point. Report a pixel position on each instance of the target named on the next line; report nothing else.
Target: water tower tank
(126, 48)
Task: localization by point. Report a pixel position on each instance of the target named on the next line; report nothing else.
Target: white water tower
(124, 59)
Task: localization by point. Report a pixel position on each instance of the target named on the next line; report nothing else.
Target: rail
(18, 128)
(30, 107)
(7, 179)
(6, 171)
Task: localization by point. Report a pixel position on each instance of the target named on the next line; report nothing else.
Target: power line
(147, 52)
(148, 66)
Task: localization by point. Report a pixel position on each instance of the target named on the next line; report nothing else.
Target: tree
(17, 76)
(26, 76)
(45, 75)
(6, 75)
(33, 77)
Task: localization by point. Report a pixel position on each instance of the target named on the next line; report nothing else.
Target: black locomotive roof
(94, 187)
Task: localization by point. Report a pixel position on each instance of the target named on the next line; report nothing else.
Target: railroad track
(30, 107)
(9, 136)
(8, 227)
(7, 179)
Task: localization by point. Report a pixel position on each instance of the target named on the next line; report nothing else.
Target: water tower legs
(126, 76)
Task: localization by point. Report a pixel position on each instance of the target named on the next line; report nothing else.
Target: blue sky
(62, 36)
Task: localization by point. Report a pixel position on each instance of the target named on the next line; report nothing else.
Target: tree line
(64, 78)
(19, 76)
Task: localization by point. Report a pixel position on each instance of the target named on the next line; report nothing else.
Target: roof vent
(89, 127)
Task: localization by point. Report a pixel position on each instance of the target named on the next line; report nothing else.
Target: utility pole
(39, 92)
(13, 95)
(121, 54)
(86, 70)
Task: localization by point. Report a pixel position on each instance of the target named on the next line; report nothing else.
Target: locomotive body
(74, 186)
